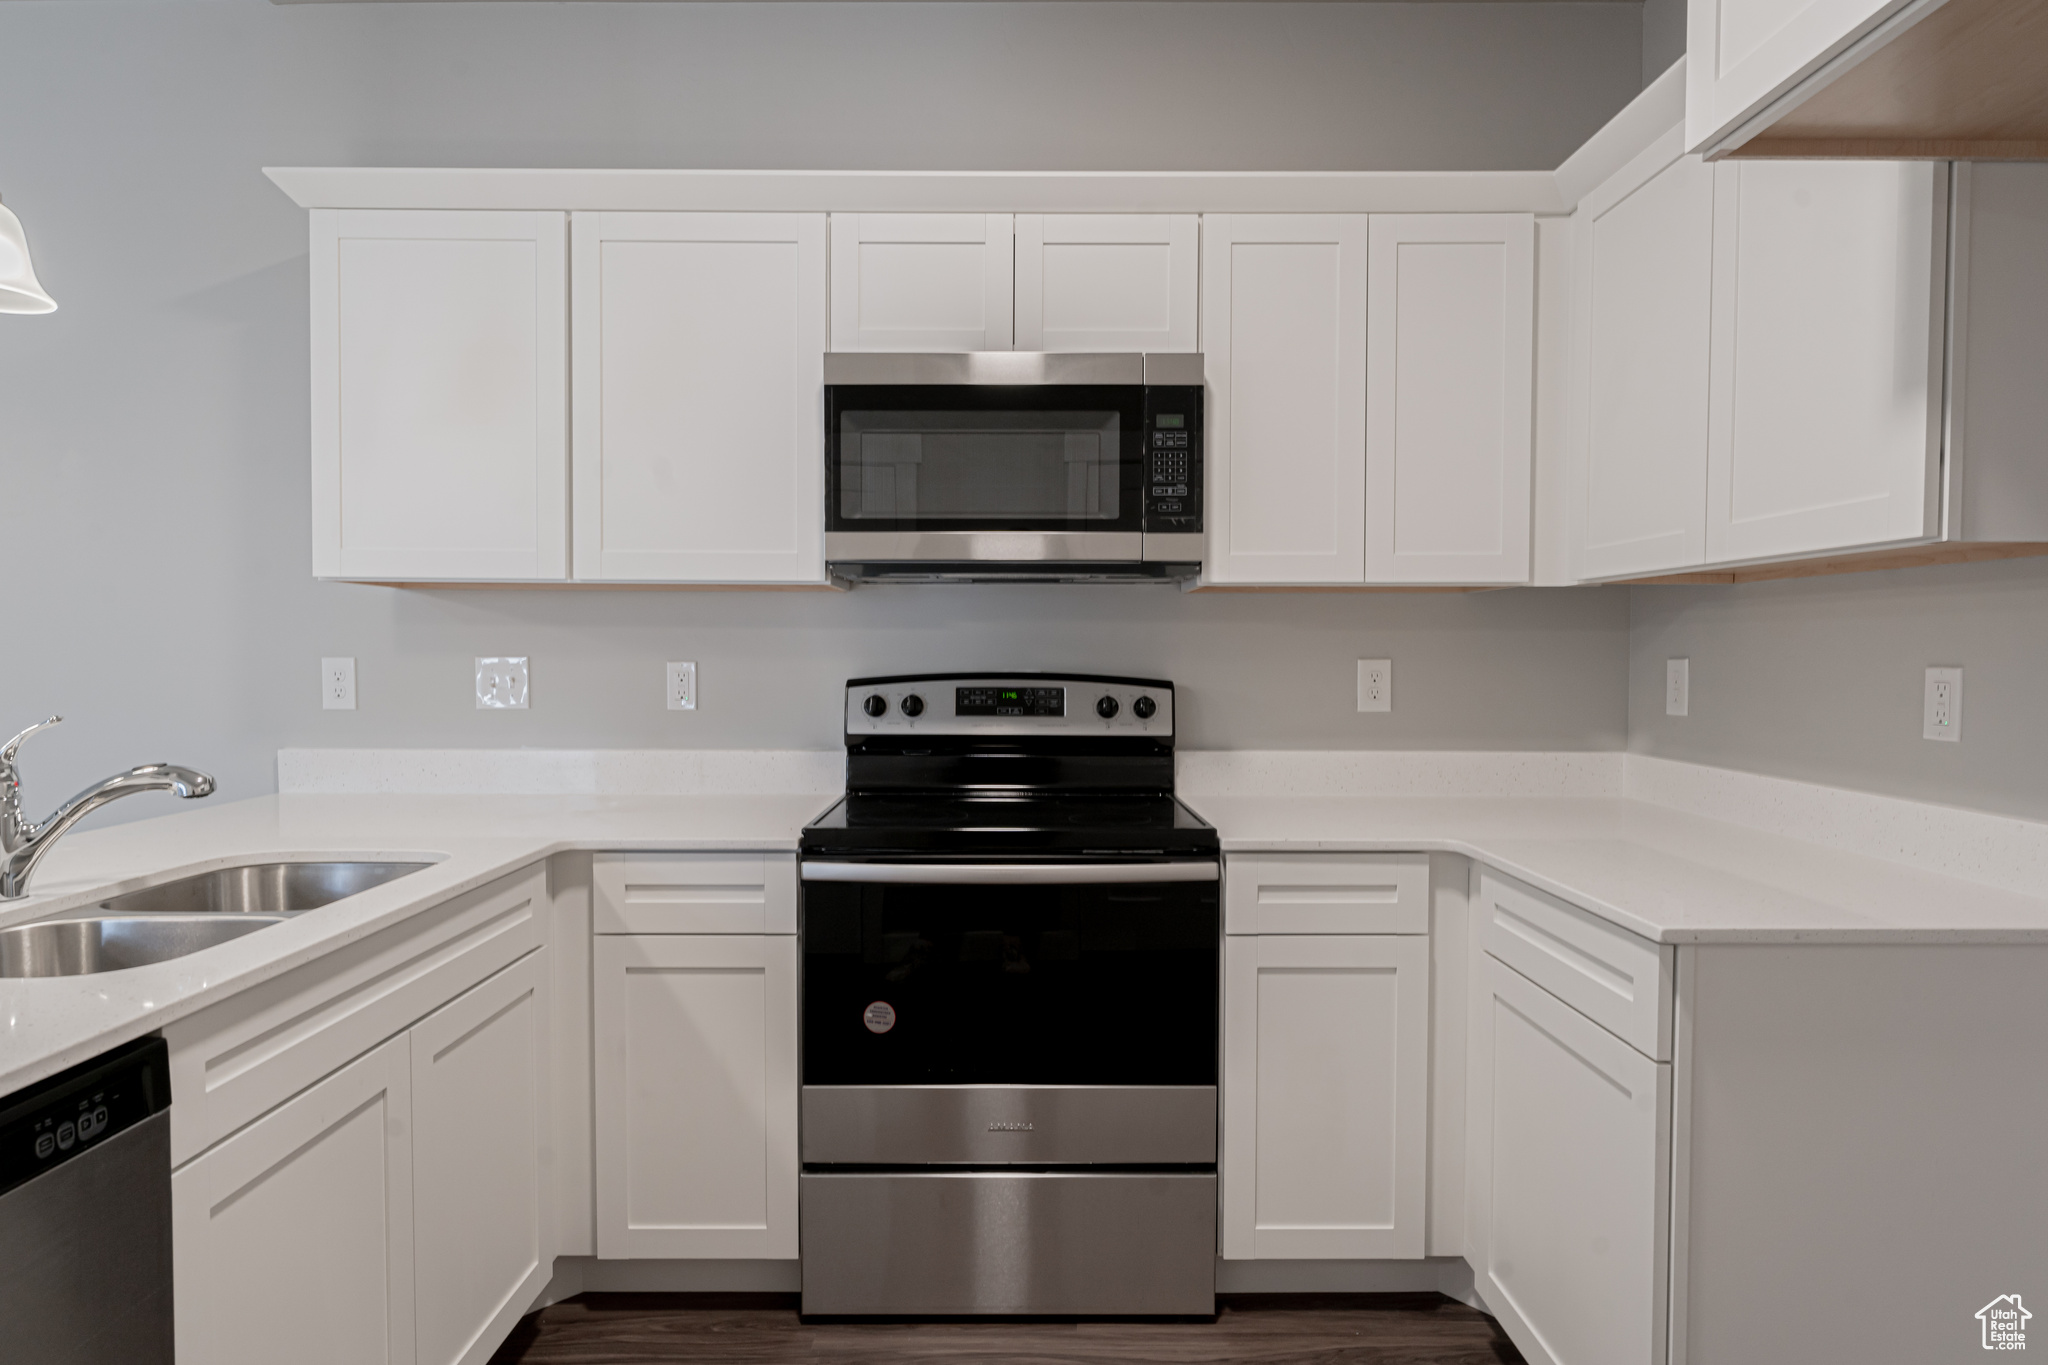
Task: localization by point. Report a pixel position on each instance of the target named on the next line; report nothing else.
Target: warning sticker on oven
(880, 1017)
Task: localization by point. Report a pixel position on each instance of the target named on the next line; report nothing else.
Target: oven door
(1033, 1013)
(965, 472)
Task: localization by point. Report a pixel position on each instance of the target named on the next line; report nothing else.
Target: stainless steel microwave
(1013, 465)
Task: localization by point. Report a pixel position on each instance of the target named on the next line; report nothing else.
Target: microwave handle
(1009, 874)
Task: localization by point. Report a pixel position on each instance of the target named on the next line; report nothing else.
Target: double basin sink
(159, 923)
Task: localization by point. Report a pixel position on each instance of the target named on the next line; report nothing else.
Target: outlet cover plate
(1677, 687)
(1941, 711)
(1375, 684)
(501, 684)
(682, 686)
(338, 684)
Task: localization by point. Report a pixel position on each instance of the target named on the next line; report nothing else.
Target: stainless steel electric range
(1011, 946)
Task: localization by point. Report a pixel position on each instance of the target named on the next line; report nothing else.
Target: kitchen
(1666, 783)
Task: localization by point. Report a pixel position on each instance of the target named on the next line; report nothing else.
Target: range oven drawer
(1009, 1242)
(1017, 1125)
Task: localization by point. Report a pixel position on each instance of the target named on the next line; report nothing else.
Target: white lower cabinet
(293, 1238)
(1570, 1130)
(481, 1243)
(390, 1214)
(1325, 1096)
(696, 1094)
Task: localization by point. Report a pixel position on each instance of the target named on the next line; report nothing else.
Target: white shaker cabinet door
(1825, 415)
(1325, 1096)
(1106, 281)
(293, 1238)
(696, 1096)
(922, 281)
(1572, 1129)
(481, 1233)
(1450, 377)
(1742, 55)
(439, 397)
(1645, 290)
(1284, 336)
(699, 391)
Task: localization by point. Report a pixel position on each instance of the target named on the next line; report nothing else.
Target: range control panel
(1173, 459)
(1020, 704)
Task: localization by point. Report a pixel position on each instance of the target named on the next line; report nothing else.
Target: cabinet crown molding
(373, 187)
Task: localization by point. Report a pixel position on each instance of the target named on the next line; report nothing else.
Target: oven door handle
(1010, 874)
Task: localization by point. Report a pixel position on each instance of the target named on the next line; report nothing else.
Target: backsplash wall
(153, 433)
(1821, 679)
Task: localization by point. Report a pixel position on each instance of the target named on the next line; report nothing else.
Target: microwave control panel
(1173, 459)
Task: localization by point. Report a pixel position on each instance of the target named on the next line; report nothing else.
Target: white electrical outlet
(1942, 708)
(501, 684)
(1677, 686)
(1375, 684)
(682, 686)
(338, 684)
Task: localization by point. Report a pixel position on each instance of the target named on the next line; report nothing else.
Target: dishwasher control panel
(76, 1110)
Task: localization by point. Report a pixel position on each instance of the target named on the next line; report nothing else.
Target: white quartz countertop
(49, 1023)
(1665, 874)
(1656, 871)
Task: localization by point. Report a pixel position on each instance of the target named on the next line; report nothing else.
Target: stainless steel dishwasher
(85, 1213)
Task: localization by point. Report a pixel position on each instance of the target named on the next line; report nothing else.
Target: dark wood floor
(756, 1329)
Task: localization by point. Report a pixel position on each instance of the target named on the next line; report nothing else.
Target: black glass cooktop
(1119, 824)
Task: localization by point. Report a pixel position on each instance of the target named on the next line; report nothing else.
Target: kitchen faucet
(23, 843)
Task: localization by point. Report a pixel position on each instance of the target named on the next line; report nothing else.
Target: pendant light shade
(19, 292)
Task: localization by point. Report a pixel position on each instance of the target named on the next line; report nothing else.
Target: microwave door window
(1008, 467)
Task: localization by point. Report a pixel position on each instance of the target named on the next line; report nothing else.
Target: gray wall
(1821, 679)
(1663, 36)
(153, 449)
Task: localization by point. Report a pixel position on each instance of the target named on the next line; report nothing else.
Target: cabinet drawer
(246, 1055)
(1329, 893)
(1617, 979)
(694, 893)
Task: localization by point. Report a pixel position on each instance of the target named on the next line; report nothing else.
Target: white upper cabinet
(1106, 281)
(1284, 333)
(1826, 403)
(1742, 55)
(1449, 384)
(699, 374)
(921, 281)
(1644, 283)
(439, 350)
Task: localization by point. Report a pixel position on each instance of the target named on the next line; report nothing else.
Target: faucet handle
(14, 745)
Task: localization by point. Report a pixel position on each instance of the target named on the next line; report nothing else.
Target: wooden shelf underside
(1968, 81)
(1869, 561)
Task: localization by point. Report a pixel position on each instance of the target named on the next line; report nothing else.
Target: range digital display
(1009, 701)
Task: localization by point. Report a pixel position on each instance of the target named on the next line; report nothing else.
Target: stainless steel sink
(78, 947)
(258, 889)
(159, 923)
